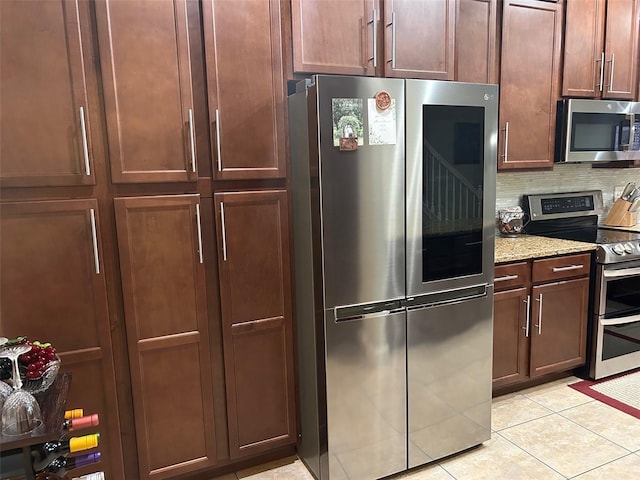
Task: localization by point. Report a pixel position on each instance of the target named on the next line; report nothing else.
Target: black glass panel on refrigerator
(602, 132)
(453, 175)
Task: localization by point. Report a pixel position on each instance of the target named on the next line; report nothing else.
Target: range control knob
(618, 249)
(628, 247)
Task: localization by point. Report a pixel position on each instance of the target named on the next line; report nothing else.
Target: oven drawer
(558, 268)
(511, 275)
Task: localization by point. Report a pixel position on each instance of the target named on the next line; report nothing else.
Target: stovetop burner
(574, 216)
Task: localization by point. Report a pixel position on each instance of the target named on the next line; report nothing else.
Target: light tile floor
(546, 432)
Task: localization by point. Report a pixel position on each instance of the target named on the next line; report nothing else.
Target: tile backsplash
(510, 186)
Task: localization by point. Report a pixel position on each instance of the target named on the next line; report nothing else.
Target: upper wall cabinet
(435, 39)
(146, 75)
(529, 83)
(601, 49)
(245, 82)
(45, 55)
(335, 36)
(419, 39)
(475, 46)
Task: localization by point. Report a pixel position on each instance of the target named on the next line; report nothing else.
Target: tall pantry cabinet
(133, 125)
(56, 280)
(246, 106)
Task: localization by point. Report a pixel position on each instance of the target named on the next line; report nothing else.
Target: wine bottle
(82, 422)
(46, 453)
(75, 413)
(62, 465)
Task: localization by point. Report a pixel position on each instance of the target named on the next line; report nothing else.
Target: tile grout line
(600, 466)
(532, 455)
(596, 433)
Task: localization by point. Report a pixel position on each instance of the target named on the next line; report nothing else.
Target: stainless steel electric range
(614, 339)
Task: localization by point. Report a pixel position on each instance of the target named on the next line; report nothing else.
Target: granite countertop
(524, 247)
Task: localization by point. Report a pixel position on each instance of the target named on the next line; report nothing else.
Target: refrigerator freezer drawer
(366, 402)
(449, 355)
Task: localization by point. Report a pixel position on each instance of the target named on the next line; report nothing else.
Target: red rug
(622, 391)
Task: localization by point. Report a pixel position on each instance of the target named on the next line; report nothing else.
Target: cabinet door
(52, 288)
(335, 36)
(559, 326)
(163, 285)
(530, 68)
(511, 331)
(583, 71)
(621, 49)
(246, 88)
(45, 126)
(419, 39)
(146, 75)
(476, 32)
(255, 289)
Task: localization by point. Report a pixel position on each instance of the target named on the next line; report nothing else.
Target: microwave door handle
(625, 146)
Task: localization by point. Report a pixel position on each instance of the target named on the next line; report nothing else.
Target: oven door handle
(627, 272)
(620, 321)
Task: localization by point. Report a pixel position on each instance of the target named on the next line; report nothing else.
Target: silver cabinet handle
(506, 142)
(527, 302)
(539, 325)
(601, 61)
(224, 233)
(199, 231)
(193, 141)
(613, 64)
(567, 268)
(505, 278)
(375, 38)
(392, 24)
(94, 236)
(218, 139)
(85, 146)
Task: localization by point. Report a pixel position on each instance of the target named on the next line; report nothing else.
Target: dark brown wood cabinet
(419, 39)
(529, 83)
(255, 289)
(146, 77)
(163, 285)
(336, 37)
(540, 317)
(558, 326)
(246, 88)
(52, 288)
(435, 39)
(510, 323)
(45, 59)
(475, 41)
(601, 49)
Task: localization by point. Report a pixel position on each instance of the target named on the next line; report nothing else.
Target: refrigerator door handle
(366, 310)
(482, 292)
(366, 316)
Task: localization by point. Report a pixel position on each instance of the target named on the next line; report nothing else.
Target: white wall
(511, 186)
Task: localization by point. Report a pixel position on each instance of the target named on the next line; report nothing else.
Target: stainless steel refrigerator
(393, 185)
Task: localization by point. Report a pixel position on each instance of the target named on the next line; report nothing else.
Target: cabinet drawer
(568, 266)
(511, 275)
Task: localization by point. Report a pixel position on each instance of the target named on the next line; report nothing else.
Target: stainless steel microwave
(597, 131)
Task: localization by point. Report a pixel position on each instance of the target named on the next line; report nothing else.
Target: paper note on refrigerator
(382, 124)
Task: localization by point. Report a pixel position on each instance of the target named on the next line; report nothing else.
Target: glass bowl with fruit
(38, 367)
